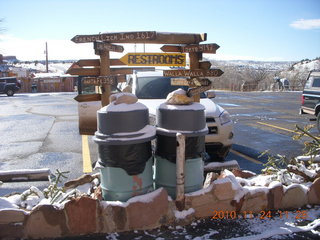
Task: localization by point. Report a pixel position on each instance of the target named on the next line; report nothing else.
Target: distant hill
(306, 65)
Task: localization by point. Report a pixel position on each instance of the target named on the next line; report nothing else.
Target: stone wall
(88, 215)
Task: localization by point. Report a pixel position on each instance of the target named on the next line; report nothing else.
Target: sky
(266, 30)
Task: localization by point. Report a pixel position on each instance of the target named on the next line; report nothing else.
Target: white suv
(152, 88)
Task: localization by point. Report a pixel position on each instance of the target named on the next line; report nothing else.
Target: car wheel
(318, 122)
(10, 92)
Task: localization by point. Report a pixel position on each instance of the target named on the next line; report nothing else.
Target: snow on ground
(285, 226)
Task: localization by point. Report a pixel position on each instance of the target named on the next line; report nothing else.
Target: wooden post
(194, 64)
(25, 175)
(180, 165)
(105, 71)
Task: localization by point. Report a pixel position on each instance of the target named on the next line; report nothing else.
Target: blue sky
(244, 29)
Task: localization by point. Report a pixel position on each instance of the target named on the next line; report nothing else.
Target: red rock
(243, 174)
(275, 196)
(46, 221)
(82, 214)
(11, 231)
(113, 218)
(98, 193)
(12, 216)
(314, 192)
(210, 177)
(149, 212)
(254, 202)
(224, 191)
(205, 202)
(294, 198)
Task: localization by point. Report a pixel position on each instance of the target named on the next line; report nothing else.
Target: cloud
(306, 24)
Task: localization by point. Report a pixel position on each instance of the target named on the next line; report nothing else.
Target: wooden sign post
(105, 42)
(105, 71)
(196, 66)
(103, 49)
(154, 59)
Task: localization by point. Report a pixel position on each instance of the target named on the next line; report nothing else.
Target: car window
(156, 87)
(11, 80)
(316, 82)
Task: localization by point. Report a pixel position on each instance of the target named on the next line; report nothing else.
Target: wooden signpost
(196, 91)
(154, 59)
(99, 71)
(103, 46)
(111, 80)
(193, 73)
(204, 48)
(143, 37)
(96, 62)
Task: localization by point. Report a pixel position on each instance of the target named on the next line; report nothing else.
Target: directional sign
(196, 91)
(193, 73)
(114, 71)
(179, 82)
(103, 46)
(111, 80)
(171, 48)
(96, 62)
(115, 37)
(204, 48)
(205, 82)
(143, 37)
(154, 59)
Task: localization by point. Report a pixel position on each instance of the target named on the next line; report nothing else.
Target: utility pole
(47, 67)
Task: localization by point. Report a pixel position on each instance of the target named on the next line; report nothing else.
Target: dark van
(310, 100)
(9, 85)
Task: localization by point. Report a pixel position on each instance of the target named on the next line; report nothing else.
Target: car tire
(318, 122)
(10, 92)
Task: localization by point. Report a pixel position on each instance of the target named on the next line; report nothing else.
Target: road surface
(41, 131)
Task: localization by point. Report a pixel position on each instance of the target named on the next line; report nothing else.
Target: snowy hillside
(306, 65)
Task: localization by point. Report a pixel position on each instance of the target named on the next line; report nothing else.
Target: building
(52, 82)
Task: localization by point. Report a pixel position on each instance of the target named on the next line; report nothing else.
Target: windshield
(156, 87)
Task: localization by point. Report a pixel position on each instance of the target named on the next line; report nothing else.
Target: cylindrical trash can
(125, 155)
(190, 121)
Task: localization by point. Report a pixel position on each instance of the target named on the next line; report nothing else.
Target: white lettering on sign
(114, 37)
(193, 73)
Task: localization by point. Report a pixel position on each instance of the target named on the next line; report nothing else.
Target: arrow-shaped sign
(204, 48)
(205, 82)
(103, 46)
(193, 73)
(196, 91)
(111, 80)
(154, 59)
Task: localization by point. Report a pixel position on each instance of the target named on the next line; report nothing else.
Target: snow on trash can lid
(122, 122)
(187, 119)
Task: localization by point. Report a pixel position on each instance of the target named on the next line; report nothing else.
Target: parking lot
(41, 131)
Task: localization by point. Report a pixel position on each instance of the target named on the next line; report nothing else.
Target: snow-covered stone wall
(89, 214)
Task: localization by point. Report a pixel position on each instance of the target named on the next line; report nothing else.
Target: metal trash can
(190, 121)
(125, 155)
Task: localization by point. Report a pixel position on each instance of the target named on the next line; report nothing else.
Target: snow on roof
(51, 75)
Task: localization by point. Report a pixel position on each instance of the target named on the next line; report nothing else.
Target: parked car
(9, 85)
(310, 100)
(152, 88)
